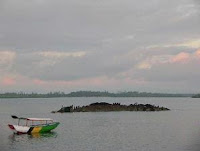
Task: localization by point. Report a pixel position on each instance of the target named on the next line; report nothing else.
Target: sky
(100, 45)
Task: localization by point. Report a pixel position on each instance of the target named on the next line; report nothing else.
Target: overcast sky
(114, 45)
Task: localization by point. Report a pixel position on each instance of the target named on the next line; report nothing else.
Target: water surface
(175, 130)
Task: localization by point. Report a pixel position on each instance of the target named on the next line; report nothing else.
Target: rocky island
(107, 107)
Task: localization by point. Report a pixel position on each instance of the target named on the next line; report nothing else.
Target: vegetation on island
(196, 96)
(107, 107)
(91, 94)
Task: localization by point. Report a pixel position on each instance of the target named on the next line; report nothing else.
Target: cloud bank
(100, 45)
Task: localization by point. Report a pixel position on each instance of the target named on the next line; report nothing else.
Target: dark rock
(106, 107)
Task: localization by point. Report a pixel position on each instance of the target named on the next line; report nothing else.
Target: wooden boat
(32, 125)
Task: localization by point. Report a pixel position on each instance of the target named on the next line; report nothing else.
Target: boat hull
(33, 129)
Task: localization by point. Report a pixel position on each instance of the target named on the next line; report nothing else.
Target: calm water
(175, 130)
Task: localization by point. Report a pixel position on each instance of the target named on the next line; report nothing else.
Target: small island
(196, 96)
(107, 107)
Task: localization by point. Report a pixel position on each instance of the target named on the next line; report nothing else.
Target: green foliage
(196, 96)
(123, 94)
(32, 95)
(92, 94)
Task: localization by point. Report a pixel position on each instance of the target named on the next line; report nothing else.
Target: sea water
(174, 130)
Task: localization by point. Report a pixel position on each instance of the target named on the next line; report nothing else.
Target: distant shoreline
(196, 96)
(91, 94)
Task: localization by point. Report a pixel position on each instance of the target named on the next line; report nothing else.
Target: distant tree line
(32, 95)
(196, 96)
(91, 94)
(123, 94)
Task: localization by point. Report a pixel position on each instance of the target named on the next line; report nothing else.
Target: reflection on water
(25, 137)
(43, 135)
(30, 142)
(176, 130)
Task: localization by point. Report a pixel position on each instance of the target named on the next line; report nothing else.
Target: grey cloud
(76, 24)
(88, 66)
(116, 32)
(185, 74)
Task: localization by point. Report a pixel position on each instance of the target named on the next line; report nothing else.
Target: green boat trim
(45, 125)
(43, 128)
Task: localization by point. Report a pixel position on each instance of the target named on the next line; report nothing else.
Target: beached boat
(32, 125)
